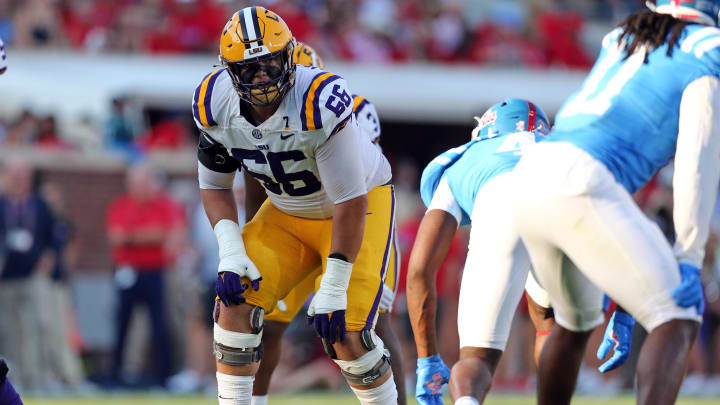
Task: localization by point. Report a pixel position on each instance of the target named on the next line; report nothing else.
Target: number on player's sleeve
(327, 104)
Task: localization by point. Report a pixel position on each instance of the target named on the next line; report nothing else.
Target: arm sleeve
(216, 168)
(340, 165)
(697, 168)
(444, 200)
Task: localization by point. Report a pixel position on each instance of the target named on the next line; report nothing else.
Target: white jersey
(3, 58)
(367, 118)
(281, 152)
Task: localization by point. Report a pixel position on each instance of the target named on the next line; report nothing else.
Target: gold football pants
(291, 252)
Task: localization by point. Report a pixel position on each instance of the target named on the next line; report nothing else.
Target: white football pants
(496, 270)
(571, 211)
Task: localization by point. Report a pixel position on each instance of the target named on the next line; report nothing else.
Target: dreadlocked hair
(647, 28)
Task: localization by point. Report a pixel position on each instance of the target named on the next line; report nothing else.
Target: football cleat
(257, 41)
(305, 55)
(700, 11)
(511, 115)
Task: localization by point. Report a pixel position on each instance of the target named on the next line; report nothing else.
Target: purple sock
(8, 395)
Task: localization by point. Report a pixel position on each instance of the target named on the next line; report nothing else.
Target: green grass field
(325, 399)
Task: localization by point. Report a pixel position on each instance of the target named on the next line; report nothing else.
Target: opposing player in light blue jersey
(653, 94)
(469, 184)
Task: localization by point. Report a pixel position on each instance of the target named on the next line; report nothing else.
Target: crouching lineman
(330, 204)
(653, 94)
(470, 185)
(278, 320)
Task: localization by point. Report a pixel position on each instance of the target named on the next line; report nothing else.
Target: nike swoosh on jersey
(283, 137)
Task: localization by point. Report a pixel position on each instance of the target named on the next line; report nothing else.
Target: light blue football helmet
(702, 11)
(511, 115)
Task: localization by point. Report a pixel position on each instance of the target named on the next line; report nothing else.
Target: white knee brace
(362, 371)
(235, 348)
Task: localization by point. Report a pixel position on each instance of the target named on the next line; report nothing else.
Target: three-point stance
(330, 204)
(469, 184)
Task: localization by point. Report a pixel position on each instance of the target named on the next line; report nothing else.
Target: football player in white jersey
(330, 204)
(277, 321)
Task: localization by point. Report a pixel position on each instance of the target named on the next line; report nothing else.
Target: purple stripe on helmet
(317, 119)
(386, 259)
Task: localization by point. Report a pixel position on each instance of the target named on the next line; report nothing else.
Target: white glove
(233, 256)
(332, 294)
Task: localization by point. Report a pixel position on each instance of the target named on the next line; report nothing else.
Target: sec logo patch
(256, 134)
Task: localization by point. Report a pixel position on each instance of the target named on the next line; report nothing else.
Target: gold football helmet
(305, 55)
(256, 41)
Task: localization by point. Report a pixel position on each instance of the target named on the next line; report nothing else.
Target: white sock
(466, 401)
(259, 400)
(386, 394)
(234, 389)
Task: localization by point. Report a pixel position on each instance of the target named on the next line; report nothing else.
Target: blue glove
(606, 302)
(618, 334)
(690, 292)
(229, 287)
(432, 374)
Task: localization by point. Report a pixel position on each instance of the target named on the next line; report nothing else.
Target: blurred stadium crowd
(159, 238)
(518, 32)
(532, 33)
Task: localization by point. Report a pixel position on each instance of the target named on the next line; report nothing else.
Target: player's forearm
(219, 204)
(697, 168)
(349, 227)
(422, 308)
(430, 249)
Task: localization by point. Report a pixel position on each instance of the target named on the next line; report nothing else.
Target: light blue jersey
(469, 167)
(626, 113)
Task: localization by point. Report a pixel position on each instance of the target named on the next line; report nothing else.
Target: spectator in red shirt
(145, 226)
